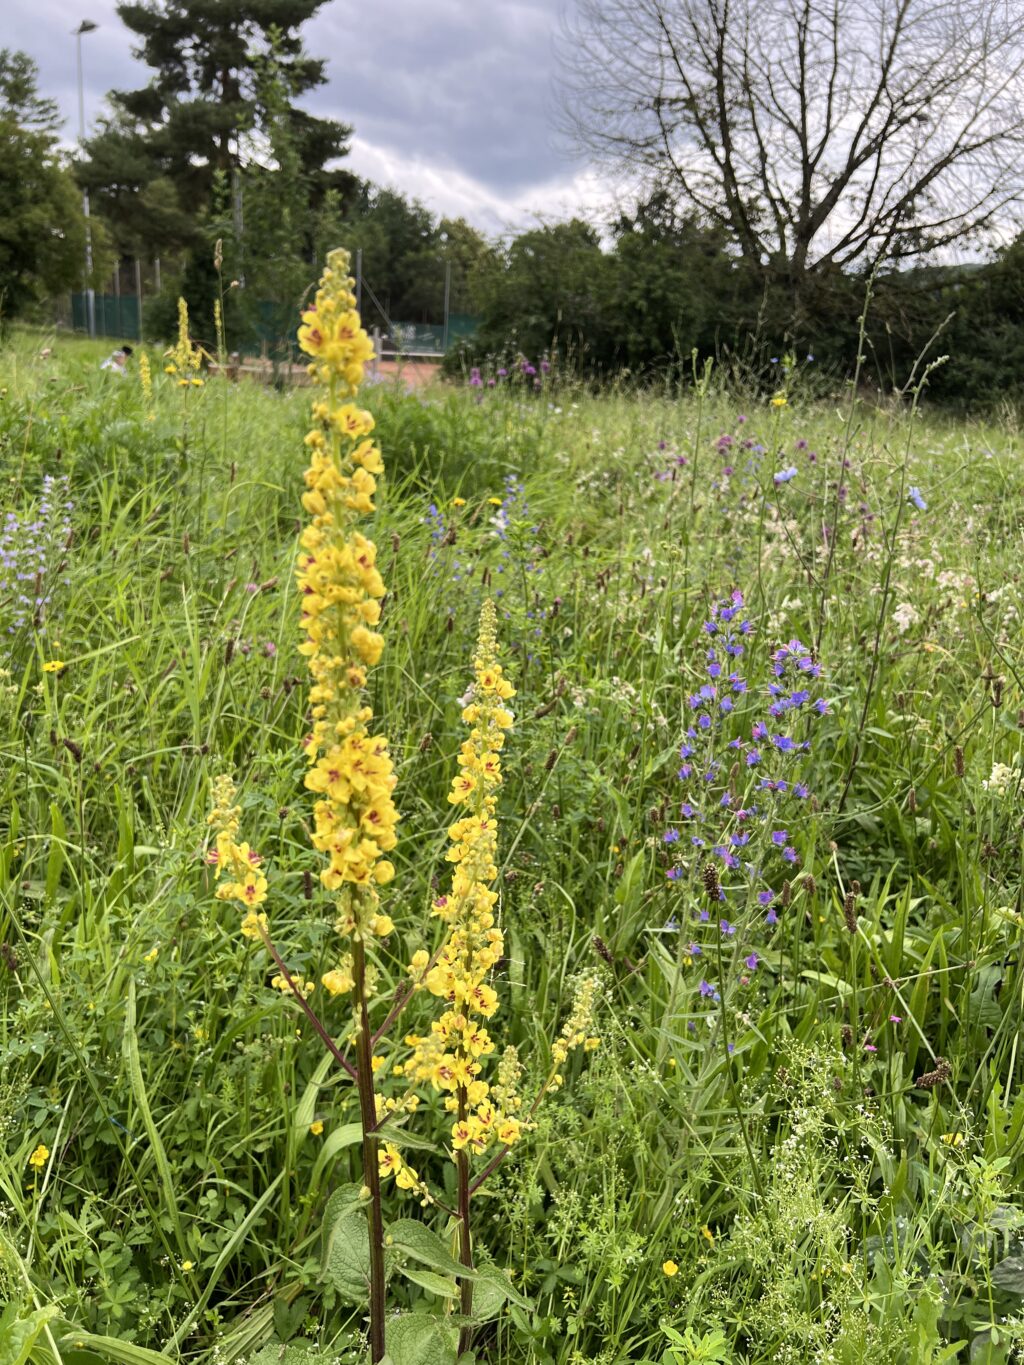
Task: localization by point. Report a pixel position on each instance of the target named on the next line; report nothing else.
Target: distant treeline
(662, 288)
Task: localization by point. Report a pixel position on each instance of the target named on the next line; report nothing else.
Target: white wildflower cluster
(905, 616)
(1003, 779)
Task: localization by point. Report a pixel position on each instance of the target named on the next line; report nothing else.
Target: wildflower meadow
(507, 871)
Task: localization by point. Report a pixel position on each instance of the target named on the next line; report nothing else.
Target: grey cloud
(460, 85)
(43, 29)
(458, 81)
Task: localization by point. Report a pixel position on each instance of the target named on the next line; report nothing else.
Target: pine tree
(151, 169)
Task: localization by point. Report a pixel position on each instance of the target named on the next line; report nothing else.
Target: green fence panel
(117, 315)
(428, 338)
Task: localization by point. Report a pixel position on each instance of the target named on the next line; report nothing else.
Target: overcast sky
(452, 101)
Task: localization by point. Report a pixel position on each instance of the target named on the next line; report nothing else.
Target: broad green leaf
(112, 1350)
(631, 883)
(417, 1241)
(402, 1137)
(346, 1259)
(295, 1353)
(345, 1199)
(493, 1287)
(988, 1351)
(419, 1339)
(427, 1279)
(1009, 1274)
(133, 1064)
(19, 1335)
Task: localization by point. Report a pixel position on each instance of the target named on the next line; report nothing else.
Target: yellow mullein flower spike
(340, 591)
(449, 1059)
(183, 358)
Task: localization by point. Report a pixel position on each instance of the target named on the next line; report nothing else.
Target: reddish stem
(325, 1037)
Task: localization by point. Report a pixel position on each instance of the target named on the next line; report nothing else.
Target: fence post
(447, 300)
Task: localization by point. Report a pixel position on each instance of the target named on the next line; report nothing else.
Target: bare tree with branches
(817, 132)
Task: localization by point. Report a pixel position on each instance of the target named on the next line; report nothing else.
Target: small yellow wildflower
(952, 1139)
(39, 1157)
(54, 666)
(708, 1235)
(670, 1268)
(780, 401)
(316, 1127)
(187, 1266)
(152, 955)
(495, 502)
(458, 502)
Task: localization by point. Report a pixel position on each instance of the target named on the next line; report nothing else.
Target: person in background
(117, 361)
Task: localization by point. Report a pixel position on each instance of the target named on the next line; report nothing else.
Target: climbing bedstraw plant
(354, 828)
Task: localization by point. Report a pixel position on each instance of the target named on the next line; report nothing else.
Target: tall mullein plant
(350, 768)
(350, 772)
(452, 1056)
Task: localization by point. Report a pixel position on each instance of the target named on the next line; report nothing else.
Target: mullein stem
(465, 1235)
(304, 1005)
(371, 1167)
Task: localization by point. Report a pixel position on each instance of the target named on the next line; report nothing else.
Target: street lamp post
(86, 26)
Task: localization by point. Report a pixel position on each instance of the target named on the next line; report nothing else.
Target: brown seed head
(709, 876)
(850, 911)
(928, 1080)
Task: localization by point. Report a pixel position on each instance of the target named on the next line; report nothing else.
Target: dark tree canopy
(42, 228)
(203, 111)
(20, 100)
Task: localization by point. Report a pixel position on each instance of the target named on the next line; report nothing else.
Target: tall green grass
(820, 1202)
